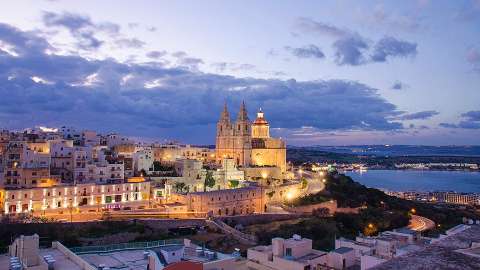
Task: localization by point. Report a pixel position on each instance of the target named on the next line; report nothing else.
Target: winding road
(420, 224)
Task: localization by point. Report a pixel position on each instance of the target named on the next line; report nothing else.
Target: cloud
(308, 51)
(472, 116)
(309, 25)
(152, 29)
(185, 61)
(473, 58)
(85, 31)
(156, 54)
(350, 51)
(409, 22)
(130, 43)
(353, 49)
(133, 25)
(392, 47)
(418, 115)
(150, 99)
(398, 85)
(224, 66)
(81, 27)
(470, 11)
(470, 120)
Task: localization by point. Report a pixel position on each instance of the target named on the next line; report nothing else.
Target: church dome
(260, 119)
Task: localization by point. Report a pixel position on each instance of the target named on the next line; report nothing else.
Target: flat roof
(61, 261)
(406, 231)
(444, 254)
(343, 250)
(126, 259)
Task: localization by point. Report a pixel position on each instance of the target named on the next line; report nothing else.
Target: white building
(143, 160)
(295, 253)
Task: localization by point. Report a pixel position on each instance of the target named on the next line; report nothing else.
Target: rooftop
(448, 253)
(343, 250)
(126, 259)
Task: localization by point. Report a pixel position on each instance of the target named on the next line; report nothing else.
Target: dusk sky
(324, 72)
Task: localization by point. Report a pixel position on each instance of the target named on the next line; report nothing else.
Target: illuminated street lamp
(413, 211)
(324, 180)
(370, 225)
(290, 195)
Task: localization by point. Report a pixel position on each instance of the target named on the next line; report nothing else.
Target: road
(419, 223)
(314, 179)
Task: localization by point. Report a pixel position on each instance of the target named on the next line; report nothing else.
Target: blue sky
(325, 72)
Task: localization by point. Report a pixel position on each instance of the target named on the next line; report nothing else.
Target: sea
(419, 180)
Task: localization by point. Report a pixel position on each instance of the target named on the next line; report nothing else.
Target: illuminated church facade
(248, 143)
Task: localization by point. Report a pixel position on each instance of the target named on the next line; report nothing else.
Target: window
(108, 199)
(288, 252)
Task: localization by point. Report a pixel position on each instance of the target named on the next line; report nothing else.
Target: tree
(304, 183)
(234, 183)
(179, 187)
(209, 181)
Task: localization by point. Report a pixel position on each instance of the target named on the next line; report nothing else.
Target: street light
(413, 210)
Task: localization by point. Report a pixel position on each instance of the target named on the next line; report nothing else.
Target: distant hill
(400, 150)
(334, 154)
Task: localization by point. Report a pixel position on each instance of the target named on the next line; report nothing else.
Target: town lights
(290, 195)
(413, 210)
(264, 175)
(370, 225)
(300, 171)
(324, 180)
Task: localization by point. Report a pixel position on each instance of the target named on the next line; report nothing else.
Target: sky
(324, 72)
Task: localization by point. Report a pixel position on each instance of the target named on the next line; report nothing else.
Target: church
(248, 143)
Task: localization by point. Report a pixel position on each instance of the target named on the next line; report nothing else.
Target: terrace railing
(125, 246)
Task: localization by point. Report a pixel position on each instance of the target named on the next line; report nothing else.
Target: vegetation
(92, 233)
(233, 183)
(181, 187)
(304, 183)
(377, 212)
(209, 181)
(310, 199)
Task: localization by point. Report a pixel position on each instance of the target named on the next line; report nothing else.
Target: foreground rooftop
(458, 251)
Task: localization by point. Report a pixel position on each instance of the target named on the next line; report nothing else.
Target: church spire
(225, 116)
(242, 114)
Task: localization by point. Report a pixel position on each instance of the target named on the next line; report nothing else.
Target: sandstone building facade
(248, 143)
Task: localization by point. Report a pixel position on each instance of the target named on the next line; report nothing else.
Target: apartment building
(57, 199)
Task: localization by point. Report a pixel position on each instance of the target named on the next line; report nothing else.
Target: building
(143, 161)
(89, 197)
(295, 253)
(371, 251)
(249, 144)
(172, 254)
(226, 202)
(25, 164)
(168, 153)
